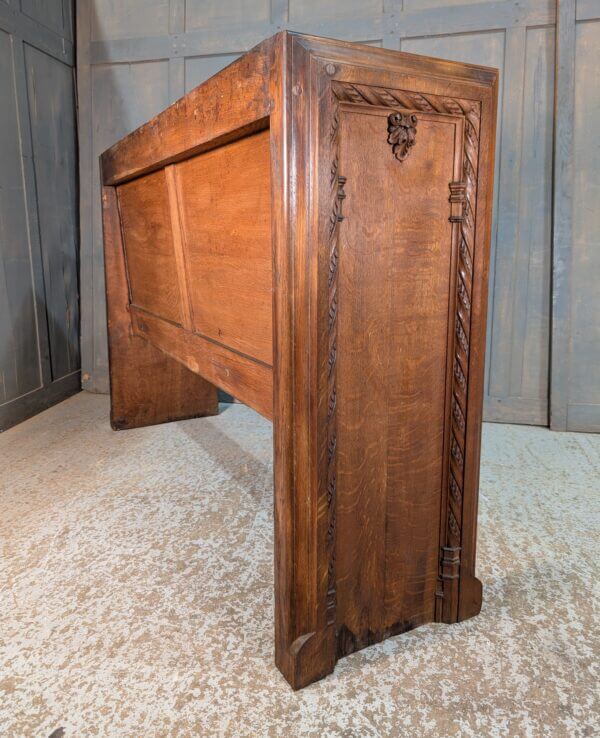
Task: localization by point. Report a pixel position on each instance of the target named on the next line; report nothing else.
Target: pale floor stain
(136, 592)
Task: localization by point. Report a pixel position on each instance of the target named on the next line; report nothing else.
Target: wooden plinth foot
(310, 657)
(471, 595)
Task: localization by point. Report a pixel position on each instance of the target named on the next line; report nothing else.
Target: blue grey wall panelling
(133, 62)
(39, 296)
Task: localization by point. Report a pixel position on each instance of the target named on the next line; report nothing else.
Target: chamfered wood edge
(111, 175)
(198, 121)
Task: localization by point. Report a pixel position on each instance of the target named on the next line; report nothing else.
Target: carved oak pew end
(309, 230)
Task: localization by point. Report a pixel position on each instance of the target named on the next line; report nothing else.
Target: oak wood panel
(395, 268)
(251, 382)
(146, 385)
(460, 593)
(225, 205)
(148, 240)
(423, 315)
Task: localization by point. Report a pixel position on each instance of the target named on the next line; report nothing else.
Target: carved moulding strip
(337, 196)
(462, 194)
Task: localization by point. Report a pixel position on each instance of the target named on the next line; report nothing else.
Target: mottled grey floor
(136, 592)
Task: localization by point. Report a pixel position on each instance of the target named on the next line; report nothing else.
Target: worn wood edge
(306, 663)
(283, 435)
(120, 424)
(197, 121)
(394, 60)
(112, 176)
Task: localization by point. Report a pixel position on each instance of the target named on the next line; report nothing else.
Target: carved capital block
(458, 200)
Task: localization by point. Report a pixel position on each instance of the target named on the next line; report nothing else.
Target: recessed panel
(149, 248)
(224, 13)
(53, 137)
(309, 10)
(133, 18)
(50, 13)
(225, 205)
(395, 272)
(19, 358)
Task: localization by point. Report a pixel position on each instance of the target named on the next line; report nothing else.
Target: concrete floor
(136, 592)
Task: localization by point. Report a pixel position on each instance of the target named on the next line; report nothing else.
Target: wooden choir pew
(309, 230)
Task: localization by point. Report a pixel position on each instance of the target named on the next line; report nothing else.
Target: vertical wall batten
(510, 143)
(176, 63)
(562, 237)
(584, 344)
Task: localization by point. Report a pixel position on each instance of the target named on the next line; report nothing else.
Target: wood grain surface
(146, 385)
(149, 249)
(225, 202)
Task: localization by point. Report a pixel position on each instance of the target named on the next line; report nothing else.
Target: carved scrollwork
(402, 132)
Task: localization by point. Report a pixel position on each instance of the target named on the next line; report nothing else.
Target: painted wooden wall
(136, 56)
(39, 296)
